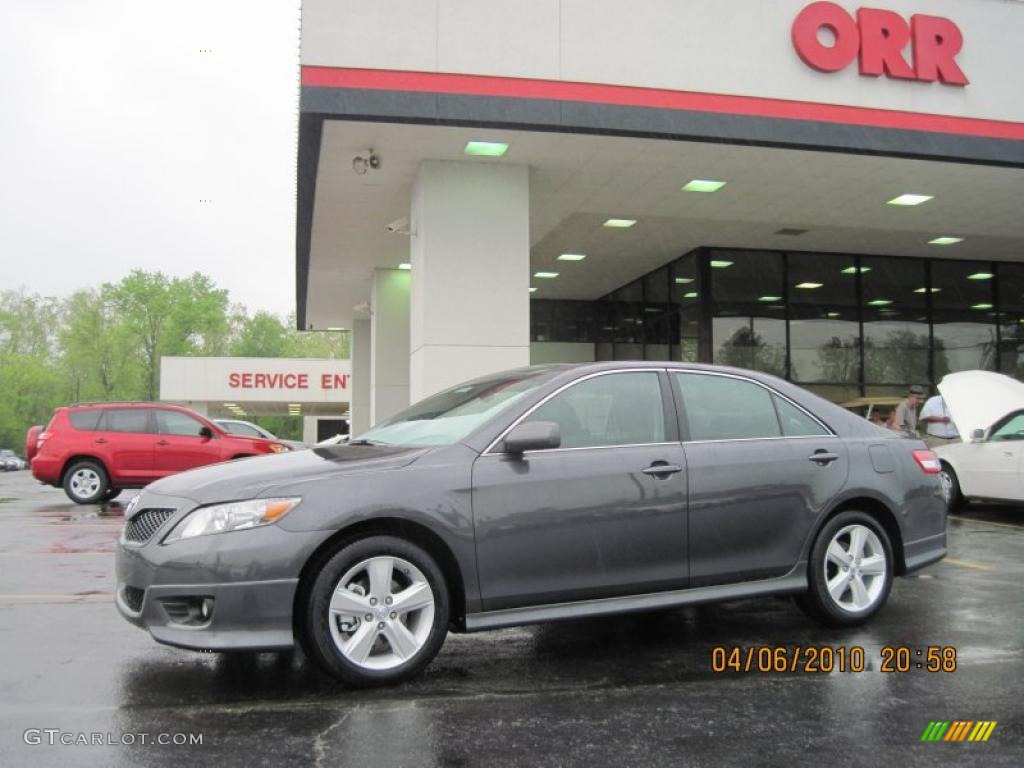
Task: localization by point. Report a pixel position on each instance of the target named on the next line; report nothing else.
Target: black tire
(111, 494)
(323, 633)
(947, 477)
(86, 481)
(843, 610)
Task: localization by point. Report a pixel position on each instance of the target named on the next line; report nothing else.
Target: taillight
(928, 462)
(43, 436)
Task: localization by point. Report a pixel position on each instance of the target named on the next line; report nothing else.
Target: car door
(761, 470)
(603, 515)
(992, 469)
(124, 440)
(179, 446)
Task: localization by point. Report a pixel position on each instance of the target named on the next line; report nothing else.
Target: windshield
(449, 416)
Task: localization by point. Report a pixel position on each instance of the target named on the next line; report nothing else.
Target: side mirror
(978, 436)
(533, 436)
(205, 432)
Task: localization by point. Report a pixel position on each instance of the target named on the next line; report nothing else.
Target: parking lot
(627, 690)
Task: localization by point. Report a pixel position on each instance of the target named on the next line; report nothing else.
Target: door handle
(101, 440)
(822, 458)
(163, 442)
(661, 469)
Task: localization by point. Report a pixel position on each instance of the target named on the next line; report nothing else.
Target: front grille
(132, 597)
(141, 528)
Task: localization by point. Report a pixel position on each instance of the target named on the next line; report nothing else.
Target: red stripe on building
(657, 98)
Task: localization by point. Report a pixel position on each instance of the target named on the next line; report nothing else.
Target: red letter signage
(837, 21)
(937, 41)
(879, 38)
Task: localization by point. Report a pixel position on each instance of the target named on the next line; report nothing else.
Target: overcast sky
(114, 126)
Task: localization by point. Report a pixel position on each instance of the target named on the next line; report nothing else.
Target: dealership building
(829, 192)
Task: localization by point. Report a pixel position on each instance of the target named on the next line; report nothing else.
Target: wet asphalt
(634, 690)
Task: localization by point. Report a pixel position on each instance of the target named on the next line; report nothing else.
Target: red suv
(94, 451)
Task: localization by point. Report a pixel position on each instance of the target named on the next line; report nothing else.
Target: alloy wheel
(381, 612)
(855, 568)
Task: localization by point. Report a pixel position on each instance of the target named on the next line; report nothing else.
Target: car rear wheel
(850, 571)
(377, 612)
(950, 487)
(86, 482)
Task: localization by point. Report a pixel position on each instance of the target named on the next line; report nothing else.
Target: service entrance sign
(218, 380)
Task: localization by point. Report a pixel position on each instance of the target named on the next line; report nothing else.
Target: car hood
(978, 399)
(253, 477)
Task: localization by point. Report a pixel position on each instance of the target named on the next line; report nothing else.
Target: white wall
(737, 47)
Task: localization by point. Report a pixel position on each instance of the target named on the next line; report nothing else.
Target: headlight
(233, 516)
(278, 448)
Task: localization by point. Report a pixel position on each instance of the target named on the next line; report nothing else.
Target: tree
(262, 335)
(30, 380)
(169, 316)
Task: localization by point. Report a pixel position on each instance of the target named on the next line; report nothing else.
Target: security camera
(360, 164)
(398, 226)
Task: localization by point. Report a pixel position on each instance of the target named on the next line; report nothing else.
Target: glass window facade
(840, 325)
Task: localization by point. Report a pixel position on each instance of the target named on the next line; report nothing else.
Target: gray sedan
(533, 495)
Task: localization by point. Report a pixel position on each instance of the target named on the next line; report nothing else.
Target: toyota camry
(533, 495)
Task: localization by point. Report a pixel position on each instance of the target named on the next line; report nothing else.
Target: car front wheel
(377, 612)
(86, 482)
(850, 571)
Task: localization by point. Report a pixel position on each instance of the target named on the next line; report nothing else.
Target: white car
(988, 410)
(248, 429)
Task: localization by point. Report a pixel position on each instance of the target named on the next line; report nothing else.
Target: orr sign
(877, 38)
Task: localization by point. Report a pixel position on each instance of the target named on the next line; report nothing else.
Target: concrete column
(470, 305)
(359, 408)
(389, 344)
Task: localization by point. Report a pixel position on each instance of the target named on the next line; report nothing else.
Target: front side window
(125, 420)
(450, 416)
(724, 408)
(612, 409)
(175, 423)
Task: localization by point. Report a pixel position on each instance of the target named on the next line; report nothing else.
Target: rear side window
(125, 420)
(87, 421)
(723, 408)
(796, 423)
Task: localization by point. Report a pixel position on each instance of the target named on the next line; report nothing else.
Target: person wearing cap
(940, 427)
(905, 417)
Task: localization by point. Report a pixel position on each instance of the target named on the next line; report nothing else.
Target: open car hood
(978, 399)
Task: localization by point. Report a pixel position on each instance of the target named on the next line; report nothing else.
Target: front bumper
(247, 580)
(245, 616)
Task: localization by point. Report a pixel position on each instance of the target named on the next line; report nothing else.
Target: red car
(94, 451)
